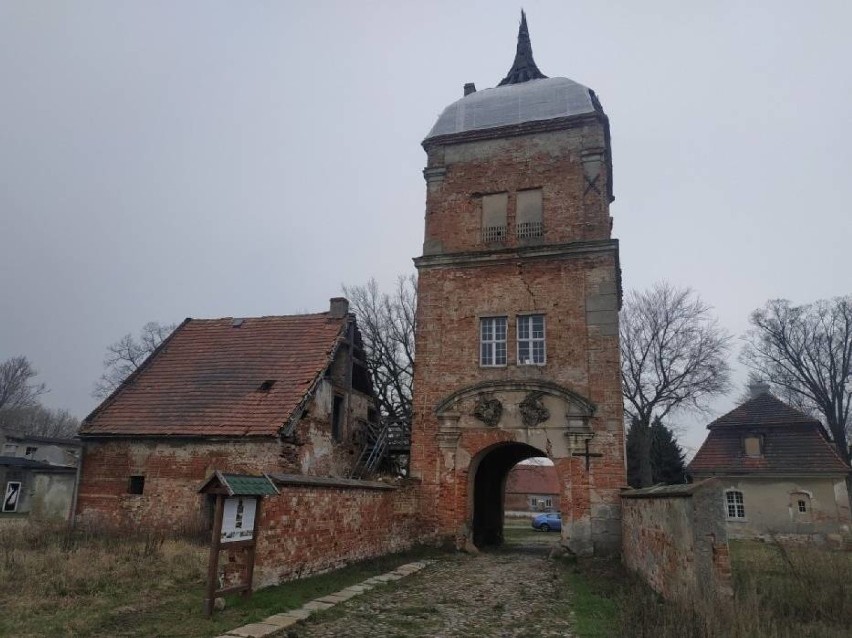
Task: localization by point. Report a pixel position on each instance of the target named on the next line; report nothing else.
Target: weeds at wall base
(779, 592)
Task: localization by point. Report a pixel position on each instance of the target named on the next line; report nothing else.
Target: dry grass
(109, 584)
(802, 592)
(53, 575)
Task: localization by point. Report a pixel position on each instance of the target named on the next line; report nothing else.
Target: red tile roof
(205, 379)
(764, 409)
(793, 443)
(532, 479)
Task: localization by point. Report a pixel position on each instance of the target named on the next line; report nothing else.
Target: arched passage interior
(489, 483)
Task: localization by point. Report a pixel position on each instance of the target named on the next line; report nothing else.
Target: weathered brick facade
(674, 537)
(570, 274)
(314, 527)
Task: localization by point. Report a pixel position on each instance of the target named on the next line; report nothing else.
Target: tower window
(492, 341)
(529, 220)
(494, 217)
(531, 345)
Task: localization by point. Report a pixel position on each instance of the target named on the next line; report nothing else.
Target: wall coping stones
(666, 491)
(329, 481)
(276, 624)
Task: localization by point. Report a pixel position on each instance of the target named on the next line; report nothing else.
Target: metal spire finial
(523, 68)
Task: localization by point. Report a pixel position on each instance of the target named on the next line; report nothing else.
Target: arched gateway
(518, 298)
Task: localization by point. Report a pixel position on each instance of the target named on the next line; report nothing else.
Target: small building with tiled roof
(532, 487)
(281, 394)
(780, 473)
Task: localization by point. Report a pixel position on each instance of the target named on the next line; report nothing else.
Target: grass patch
(59, 583)
(595, 587)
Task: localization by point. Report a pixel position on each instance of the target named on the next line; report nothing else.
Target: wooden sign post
(235, 527)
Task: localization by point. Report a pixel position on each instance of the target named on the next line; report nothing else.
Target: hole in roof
(236, 323)
(266, 386)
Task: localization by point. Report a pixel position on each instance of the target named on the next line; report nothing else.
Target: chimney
(469, 88)
(758, 388)
(339, 307)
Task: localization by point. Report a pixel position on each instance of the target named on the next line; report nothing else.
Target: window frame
(530, 340)
(493, 342)
(738, 507)
(529, 230)
(760, 443)
(494, 233)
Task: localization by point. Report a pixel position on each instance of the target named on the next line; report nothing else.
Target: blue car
(549, 521)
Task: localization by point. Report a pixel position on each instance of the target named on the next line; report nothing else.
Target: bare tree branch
(17, 388)
(37, 420)
(805, 352)
(387, 324)
(673, 356)
(126, 355)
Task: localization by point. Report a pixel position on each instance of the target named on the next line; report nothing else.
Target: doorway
(489, 485)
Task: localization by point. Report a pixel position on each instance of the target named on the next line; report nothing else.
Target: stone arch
(487, 484)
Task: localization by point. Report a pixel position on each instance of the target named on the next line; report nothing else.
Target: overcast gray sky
(160, 160)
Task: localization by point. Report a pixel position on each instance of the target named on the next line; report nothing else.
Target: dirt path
(514, 592)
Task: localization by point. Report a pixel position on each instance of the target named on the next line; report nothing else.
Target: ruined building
(517, 326)
(277, 395)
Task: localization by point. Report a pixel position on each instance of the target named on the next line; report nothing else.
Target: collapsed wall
(674, 537)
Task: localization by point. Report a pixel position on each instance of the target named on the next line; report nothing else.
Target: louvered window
(529, 217)
(494, 217)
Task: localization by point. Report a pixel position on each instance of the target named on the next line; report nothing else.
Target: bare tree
(673, 355)
(806, 352)
(387, 323)
(17, 388)
(37, 420)
(126, 355)
(20, 410)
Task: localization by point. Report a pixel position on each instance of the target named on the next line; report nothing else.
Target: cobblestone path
(510, 593)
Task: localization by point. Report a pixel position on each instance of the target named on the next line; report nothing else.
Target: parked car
(549, 521)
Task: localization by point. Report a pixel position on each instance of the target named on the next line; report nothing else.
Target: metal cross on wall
(587, 455)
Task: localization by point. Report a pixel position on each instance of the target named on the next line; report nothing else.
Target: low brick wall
(318, 524)
(674, 537)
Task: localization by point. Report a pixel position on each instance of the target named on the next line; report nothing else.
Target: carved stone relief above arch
(518, 404)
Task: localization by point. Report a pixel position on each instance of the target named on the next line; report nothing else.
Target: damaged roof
(222, 377)
(793, 443)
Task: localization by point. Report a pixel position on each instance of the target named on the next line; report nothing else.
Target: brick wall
(674, 537)
(319, 525)
(173, 473)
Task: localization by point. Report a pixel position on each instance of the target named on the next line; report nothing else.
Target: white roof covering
(530, 101)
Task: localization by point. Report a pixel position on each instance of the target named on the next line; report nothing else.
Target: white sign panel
(13, 494)
(238, 518)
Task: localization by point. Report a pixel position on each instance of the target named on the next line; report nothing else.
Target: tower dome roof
(532, 100)
(524, 95)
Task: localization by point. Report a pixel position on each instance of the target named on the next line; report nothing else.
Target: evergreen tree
(666, 456)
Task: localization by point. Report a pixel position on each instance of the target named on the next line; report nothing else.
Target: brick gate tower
(517, 322)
